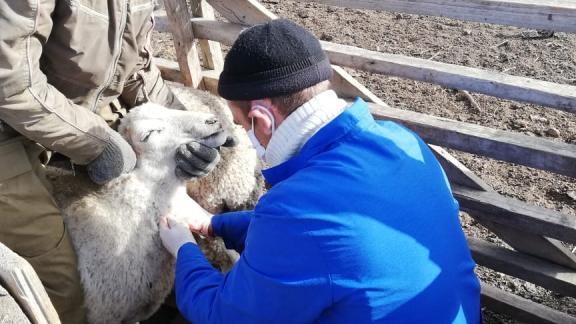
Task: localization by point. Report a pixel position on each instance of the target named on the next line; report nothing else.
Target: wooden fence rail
(184, 42)
(562, 97)
(559, 15)
(505, 86)
(516, 214)
(545, 248)
(522, 309)
(548, 275)
(517, 148)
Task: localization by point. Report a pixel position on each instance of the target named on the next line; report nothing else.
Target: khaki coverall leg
(32, 226)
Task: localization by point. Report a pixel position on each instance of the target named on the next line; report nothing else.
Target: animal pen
(534, 233)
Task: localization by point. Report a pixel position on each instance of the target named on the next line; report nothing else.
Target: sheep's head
(156, 132)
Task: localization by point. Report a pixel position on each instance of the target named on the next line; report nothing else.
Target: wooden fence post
(184, 42)
(211, 51)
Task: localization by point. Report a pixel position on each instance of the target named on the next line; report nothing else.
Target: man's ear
(261, 121)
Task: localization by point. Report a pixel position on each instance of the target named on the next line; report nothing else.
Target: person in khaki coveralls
(62, 63)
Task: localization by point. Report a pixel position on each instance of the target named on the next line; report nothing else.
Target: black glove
(118, 157)
(194, 160)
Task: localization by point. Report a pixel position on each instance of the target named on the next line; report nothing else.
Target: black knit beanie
(273, 59)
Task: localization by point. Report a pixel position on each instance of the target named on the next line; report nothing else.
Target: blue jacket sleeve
(232, 228)
(272, 282)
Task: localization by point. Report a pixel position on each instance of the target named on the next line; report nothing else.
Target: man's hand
(194, 160)
(118, 157)
(198, 219)
(203, 227)
(174, 234)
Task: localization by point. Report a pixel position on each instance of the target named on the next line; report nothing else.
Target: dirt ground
(512, 50)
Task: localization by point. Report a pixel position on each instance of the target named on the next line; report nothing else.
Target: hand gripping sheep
(125, 271)
(236, 183)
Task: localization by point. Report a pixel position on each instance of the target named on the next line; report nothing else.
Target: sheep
(125, 271)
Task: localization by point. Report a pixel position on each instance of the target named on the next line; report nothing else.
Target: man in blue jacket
(359, 224)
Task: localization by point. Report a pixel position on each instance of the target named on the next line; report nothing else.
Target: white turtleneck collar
(301, 125)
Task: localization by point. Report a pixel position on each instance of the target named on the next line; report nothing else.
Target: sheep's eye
(147, 135)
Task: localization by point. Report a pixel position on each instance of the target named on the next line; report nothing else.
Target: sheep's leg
(233, 255)
(216, 252)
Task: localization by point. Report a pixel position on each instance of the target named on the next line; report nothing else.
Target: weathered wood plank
(559, 15)
(457, 172)
(184, 42)
(492, 207)
(534, 152)
(347, 87)
(211, 51)
(244, 12)
(539, 246)
(170, 71)
(520, 308)
(562, 97)
(222, 32)
(548, 275)
(529, 243)
(210, 78)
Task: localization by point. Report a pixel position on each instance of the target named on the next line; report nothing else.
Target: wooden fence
(534, 233)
